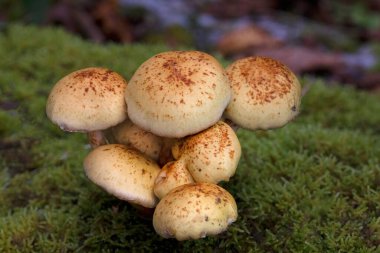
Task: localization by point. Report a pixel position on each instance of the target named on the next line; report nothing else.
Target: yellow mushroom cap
(178, 93)
(172, 175)
(193, 211)
(129, 134)
(211, 155)
(123, 172)
(88, 100)
(265, 93)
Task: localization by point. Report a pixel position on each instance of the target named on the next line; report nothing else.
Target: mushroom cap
(193, 211)
(266, 94)
(129, 134)
(172, 175)
(87, 100)
(178, 93)
(211, 155)
(123, 172)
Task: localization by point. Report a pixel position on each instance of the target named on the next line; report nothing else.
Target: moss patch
(312, 186)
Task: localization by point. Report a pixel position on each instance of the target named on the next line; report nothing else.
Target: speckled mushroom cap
(123, 172)
(266, 94)
(172, 175)
(129, 134)
(88, 100)
(193, 211)
(211, 155)
(177, 93)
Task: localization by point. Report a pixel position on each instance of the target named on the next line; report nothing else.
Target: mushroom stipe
(165, 140)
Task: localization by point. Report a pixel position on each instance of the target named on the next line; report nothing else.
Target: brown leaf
(61, 14)
(74, 19)
(370, 81)
(245, 38)
(301, 59)
(239, 8)
(88, 25)
(111, 22)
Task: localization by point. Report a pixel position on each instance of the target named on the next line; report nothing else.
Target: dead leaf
(301, 59)
(307, 60)
(369, 81)
(239, 8)
(111, 22)
(75, 19)
(245, 38)
(98, 21)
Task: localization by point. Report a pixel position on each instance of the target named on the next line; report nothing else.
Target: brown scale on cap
(265, 93)
(88, 78)
(176, 74)
(190, 89)
(265, 88)
(193, 211)
(211, 155)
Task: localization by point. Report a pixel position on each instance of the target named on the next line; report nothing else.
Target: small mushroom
(178, 93)
(129, 134)
(193, 211)
(88, 100)
(211, 155)
(124, 173)
(172, 175)
(265, 93)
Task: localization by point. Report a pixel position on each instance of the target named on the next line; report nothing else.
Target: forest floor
(311, 186)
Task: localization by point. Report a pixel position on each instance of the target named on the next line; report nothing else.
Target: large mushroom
(178, 93)
(265, 93)
(88, 100)
(124, 173)
(193, 211)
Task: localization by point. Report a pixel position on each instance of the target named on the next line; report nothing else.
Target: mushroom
(172, 175)
(193, 211)
(177, 93)
(211, 155)
(129, 134)
(265, 93)
(88, 100)
(124, 173)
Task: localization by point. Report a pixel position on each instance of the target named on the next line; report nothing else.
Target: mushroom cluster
(166, 139)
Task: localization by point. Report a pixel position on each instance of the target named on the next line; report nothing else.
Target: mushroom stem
(96, 138)
(232, 124)
(166, 151)
(144, 212)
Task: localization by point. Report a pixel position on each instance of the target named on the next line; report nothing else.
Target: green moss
(312, 186)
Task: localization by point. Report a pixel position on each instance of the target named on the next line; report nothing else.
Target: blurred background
(336, 40)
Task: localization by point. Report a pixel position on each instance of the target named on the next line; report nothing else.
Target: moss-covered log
(312, 186)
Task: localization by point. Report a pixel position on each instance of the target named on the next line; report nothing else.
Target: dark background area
(336, 40)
